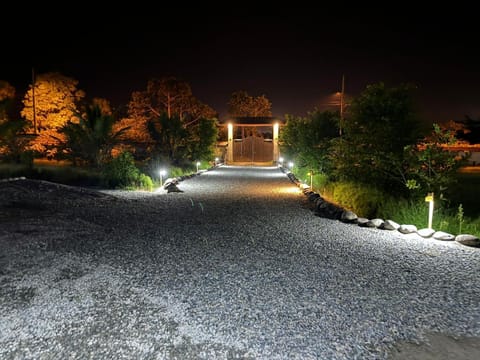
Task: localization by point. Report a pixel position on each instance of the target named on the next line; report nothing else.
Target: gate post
(275, 143)
(230, 144)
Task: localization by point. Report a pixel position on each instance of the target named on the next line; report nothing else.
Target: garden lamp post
(163, 172)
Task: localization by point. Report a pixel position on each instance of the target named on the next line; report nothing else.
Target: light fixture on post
(163, 172)
(290, 165)
(280, 161)
(311, 179)
(198, 164)
(429, 199)
(216, 161)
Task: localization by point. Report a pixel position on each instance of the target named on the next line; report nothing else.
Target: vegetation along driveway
(235, 266)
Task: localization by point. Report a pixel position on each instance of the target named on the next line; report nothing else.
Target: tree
(169, 136)
(90, 138)
(431, 167)
(167, 95)
(380, 122)
(103, 105)
(469, 130)
(307, 139)
(56, 99)
(241, 104)
(7, 94)
(13, 142)
(202, 139)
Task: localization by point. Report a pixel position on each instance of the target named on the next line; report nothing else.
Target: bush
(121, 172)
(362, 199)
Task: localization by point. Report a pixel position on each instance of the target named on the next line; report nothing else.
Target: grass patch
(450, 220)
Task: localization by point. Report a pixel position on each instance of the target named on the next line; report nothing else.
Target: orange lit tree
(56, 99)
(168, 96)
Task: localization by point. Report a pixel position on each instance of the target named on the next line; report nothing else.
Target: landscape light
(290, 165)
(198, 164)
(429, 199)
(163, 172)
(280, 161)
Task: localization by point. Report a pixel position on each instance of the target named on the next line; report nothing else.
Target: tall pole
(342, 103)
(34, 104)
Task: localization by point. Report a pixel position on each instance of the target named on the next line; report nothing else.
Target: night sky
(296, 58)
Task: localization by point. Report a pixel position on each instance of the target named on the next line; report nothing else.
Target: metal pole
(33, 101)
(342, 104)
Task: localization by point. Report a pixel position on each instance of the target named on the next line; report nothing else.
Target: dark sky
(295, 58)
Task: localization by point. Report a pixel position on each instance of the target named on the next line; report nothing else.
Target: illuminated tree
(171, 96)
(307, 139)
(380, 122)
(242, 104)
(90, 138)
(56, 99)
(165, 96)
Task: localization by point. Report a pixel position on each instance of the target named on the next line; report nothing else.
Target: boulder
(468, 240)
(426, 232)
(328, 210)
(440, 235)
(348, 217)
(362, 221)
(407, 229)
(172, 188)
(312, 197)
(390, 225)
(376, 223)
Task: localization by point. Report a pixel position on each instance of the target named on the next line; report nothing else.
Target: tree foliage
(56, 100)
(202, 139)
(89, 139)
(7, 94)
(13, 142)
(242, 104)
(176, 143)
(167, 95)
(307, 139)
(380, 122)
(169, 136)
(431, 167)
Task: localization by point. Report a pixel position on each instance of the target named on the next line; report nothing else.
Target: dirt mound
(30, 193)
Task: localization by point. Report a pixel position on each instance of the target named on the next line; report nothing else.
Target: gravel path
(236, 266)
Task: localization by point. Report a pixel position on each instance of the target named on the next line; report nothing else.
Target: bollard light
(163, 172)
(216, 161)
(290, 165)
(198, 164)
(311, 179)
(429, 199)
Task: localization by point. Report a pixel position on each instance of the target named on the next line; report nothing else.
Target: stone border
(325, 209)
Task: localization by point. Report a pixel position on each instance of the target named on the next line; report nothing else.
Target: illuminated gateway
(251, 140)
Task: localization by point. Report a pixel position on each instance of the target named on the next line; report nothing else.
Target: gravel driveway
(236, 266)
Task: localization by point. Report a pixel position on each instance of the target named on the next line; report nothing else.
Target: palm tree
(91, 139)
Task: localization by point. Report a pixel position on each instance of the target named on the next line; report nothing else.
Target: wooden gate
(252, 149)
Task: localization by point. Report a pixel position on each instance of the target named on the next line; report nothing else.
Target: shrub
(362, 199)
(121, 172)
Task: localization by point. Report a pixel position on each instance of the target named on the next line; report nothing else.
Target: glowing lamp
(163, 172)
(429, 199)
